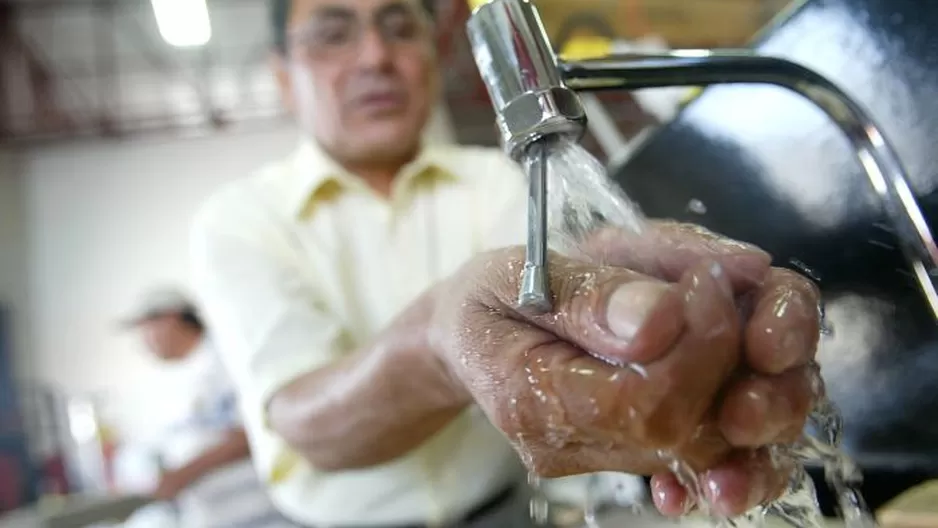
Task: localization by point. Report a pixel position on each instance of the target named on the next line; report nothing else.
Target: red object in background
(109, 450)
(11, 484)
(54, 476)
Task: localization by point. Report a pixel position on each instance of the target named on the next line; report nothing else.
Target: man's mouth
(382, 102)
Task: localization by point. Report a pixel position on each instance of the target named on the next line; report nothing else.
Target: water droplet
(697, 207)
(539, 505)
(827, 328)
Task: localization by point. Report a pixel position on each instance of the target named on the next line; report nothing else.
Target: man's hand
(681, 345)
(172, 483)
(233, 447)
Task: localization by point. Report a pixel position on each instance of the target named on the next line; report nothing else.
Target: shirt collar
(318, 177)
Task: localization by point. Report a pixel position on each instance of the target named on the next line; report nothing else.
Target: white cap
(159, 302)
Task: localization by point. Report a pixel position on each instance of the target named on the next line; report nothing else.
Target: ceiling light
(183, 23)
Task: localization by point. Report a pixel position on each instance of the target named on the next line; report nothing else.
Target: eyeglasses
(338, 33)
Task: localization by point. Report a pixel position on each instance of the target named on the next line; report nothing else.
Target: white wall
(106, 221)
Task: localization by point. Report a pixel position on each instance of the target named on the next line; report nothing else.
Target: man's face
(360, 75)
(167, 337)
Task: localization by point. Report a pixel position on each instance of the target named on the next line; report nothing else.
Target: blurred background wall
(107, 221)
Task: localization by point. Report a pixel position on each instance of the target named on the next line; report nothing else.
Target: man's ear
(281, 71)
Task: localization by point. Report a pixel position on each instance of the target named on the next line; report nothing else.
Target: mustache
(365, 86)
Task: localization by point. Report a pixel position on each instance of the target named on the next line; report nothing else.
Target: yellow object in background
(692, 94)
(586, 47)
(914, 508)
(476, 3)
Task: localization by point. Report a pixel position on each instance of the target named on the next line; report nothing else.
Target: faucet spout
(877, 157)
(532, 93)
(522, 75)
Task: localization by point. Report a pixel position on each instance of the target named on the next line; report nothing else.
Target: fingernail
(630, 305)
(733, 246)
(728, 502)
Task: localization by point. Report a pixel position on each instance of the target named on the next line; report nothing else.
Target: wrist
(457, 393)
(189, 474)
(436, 346)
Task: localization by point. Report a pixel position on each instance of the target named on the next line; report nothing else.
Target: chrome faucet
(532, 91)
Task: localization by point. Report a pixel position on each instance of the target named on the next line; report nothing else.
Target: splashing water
(582, 199)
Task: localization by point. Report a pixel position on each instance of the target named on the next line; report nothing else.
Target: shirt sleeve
(263, 318)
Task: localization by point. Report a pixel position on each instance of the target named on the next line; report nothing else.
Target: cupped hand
(671, 345)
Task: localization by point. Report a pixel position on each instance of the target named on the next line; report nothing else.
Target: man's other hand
(171, 484)
(674, 344)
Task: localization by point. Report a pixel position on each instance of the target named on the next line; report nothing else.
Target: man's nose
(374, 50)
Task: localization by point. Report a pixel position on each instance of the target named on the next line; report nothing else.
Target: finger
(670, 497)
(666, 250)
(745, 480)
(551, 399)
(761, 410)
(661, 405)
(784, 329)
(614, 314)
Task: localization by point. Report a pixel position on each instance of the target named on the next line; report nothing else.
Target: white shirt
(231, 496)
(302, 264)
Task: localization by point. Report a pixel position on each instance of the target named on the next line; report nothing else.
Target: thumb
(615, 314)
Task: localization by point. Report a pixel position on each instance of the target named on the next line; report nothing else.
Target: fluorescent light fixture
(183, 23)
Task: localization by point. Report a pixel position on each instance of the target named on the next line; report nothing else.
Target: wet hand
(777, 381)
(638, 366)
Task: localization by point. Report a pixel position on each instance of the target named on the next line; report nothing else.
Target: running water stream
(581, 199)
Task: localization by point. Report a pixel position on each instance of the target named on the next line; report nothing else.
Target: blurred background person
(204, 454)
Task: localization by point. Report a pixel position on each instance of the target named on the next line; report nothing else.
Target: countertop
(79, 511)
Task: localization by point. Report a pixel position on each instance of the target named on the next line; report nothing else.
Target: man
(209, 475)
(374, 343)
